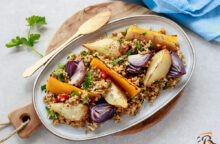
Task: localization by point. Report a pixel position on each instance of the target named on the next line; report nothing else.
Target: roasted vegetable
(134, 70)
(58, 87)
(116, 97)
(159, 67)
(119, 79)
(106, 46)
(160, 41)
(139, 60)
(76, 71)
(73, 113)
(70, 67)
(101, 112)
(177, 68)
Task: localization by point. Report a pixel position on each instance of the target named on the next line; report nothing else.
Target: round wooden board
(119, 9)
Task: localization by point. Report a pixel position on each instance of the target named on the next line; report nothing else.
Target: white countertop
(198, 110)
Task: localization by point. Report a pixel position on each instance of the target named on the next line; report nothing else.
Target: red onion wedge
(134, 70)
(76, 71)
(101, 112)
(70, 67)
(177, 68)
(139, 60)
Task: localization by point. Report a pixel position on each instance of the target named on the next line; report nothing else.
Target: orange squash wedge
(160, 41)
(119, 79)
(58, 87)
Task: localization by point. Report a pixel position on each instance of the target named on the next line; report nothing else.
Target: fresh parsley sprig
(116, 61)
(88, 81)
(29, 41)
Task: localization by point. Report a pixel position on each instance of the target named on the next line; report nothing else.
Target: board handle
(22, 114)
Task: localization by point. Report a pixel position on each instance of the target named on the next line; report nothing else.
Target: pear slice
(159, 67)
(115, 96)
(106, 46)
(73, 113)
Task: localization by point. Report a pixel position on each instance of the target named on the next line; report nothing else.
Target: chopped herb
(84, 53)
(110, 85)
(47, 108)
(84, 100)
(54, 113)
(116, 61)
(138, 45)
(156, 82)
(61, 65)
(151, 44)
(50, 117)
(61, 77)
(74, 93)
(127, 52)
(68, 57)
(93, 52)
(142, 49)
(126, 30)
(134, 97)
(146, 90)
(120, 40)
(88, 81)
(182, 58)
(142, 101)
(43, 87)
(144, 33)
(166, 86)
(51, 114)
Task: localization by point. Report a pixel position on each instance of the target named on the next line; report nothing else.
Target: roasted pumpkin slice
(159, 41)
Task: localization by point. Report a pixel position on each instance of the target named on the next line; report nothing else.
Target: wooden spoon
(91, 25)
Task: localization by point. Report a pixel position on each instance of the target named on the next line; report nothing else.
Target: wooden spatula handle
(19, 115)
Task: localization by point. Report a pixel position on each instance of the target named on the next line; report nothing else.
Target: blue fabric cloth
(201, 16)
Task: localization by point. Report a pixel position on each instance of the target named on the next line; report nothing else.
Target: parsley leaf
(88, 81)
(151, 44)
(144, 33)
(43, 87)
(127, 52)
(166, 86)
(14, 42)
(120, 40)
(156, 82)
(51, 114)
(84, 53)
(29, 41)
(33, 20)
(126, 30)
(138, 45)
(182, 58)
(61, 65)
(61, 77)
(32, 38)
(74, 93)
(116, 61)
(84, 100)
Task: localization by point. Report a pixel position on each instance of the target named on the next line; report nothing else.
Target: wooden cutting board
(119, 9)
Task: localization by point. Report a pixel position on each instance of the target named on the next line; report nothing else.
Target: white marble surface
(198, 110)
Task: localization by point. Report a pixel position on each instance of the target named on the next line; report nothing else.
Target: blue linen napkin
(201, 16)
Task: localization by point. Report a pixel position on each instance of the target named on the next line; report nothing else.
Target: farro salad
(112, 77)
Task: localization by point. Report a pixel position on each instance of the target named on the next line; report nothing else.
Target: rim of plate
(167, 20)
